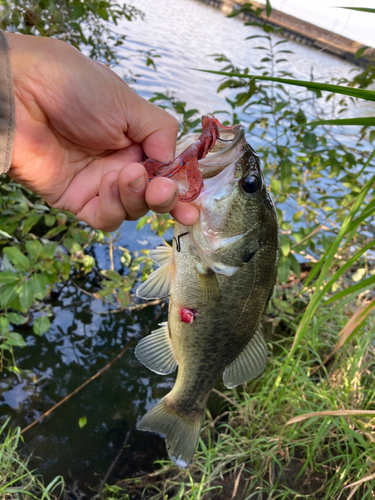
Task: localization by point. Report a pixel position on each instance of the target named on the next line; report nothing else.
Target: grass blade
(364, 121)
(369, 95)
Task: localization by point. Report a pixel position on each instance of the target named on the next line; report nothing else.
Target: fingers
(127, 195)
(162, 195)
(132, 182)
(185, 213)
(105, 211)
(153, 127)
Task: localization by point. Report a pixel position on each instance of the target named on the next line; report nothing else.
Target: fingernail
(168, 202)
(138, 185)
(115, 189)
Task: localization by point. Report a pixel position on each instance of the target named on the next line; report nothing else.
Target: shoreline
(300, 31)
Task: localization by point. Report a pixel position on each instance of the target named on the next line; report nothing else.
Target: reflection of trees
(77, 346)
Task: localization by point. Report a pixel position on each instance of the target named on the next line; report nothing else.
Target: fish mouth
(228, 148)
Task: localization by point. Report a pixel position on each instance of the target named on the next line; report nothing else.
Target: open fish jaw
(220, 275)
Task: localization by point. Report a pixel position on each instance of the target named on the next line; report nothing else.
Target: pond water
(84, 335)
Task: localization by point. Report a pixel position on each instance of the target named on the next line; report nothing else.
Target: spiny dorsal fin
(161, 255)
(158, 284)
(155, 351)
(248, 364)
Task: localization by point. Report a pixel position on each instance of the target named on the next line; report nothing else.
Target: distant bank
(301, 31)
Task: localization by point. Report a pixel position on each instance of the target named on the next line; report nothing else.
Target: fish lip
(211, 159)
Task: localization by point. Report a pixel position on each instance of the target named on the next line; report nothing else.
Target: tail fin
(181, 433)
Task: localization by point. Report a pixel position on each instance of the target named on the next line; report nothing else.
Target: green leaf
(38, 283)
(82, 421)
(41, 325)
(16, 319)
(286, 174)
(114, 276)
(103, 14)
(49, 220)
(49, 250)
(284, 244)
(298, 215)
(55, 231)
(34, 248)
(275, 185)
(126, 258)
(268, 8)
(72, 245)
(15, 339)
(310, 141)
(353, 290)
(8, 277)
(30, 222)
(17, 258)
(78, 11)
(5, 234)
(295, 265)
(26, 295)
(283, 269)
(359, 9)
(4, 325)
(365, 121)
(280, 105)
(8, 292)
(360, 51)
(369, 95)
(123, 298)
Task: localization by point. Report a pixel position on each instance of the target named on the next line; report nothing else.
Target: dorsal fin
(155, 351)
(248, 364)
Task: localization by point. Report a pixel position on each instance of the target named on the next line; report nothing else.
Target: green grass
(17, 482)
(251, 452)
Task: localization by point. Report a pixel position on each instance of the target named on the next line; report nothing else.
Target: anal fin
(248, 364)
(155, 351)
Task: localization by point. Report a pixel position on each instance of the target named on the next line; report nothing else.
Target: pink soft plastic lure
(188, 159)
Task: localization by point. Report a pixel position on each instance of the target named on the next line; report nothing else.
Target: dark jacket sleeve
(7, 107)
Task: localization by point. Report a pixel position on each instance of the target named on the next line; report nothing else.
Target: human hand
(81, 133)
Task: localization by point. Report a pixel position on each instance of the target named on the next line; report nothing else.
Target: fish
(186, 163)
(219, 275)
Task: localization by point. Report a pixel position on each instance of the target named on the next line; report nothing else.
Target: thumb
(153, 127)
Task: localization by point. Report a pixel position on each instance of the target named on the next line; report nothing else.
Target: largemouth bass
(219, 274)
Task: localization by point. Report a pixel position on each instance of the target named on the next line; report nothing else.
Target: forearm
(7, 107)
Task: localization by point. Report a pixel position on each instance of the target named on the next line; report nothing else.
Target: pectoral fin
(209, 291)
(249, 364)
(155, 351)
(158, 284)
(161, 255)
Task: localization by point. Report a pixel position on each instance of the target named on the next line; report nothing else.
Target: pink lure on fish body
(188, 159)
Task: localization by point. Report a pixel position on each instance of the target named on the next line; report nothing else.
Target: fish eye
(250, 184)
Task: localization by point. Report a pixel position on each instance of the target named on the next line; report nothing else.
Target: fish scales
(220, 275)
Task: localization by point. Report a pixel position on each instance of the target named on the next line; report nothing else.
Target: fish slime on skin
(188, 159)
